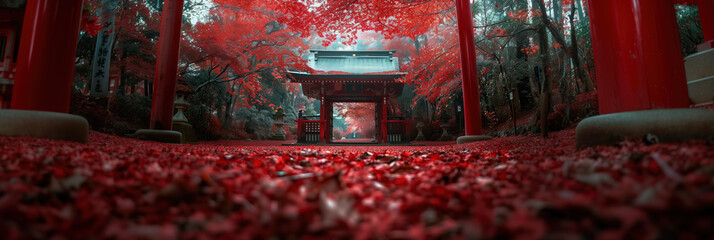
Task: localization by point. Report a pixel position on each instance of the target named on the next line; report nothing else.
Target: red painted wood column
(162, 105)
(323, 119)
(469, 73)
(384, 124)
(706, 16)
(46, 58)
(9, 51)
(300, 129)
(638, 56)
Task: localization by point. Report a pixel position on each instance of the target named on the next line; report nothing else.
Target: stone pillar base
(473, 138)
(164, 136)
(664, 125)
(61, 126)
(186, 130)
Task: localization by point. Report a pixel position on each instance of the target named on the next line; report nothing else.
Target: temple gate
(352, 76)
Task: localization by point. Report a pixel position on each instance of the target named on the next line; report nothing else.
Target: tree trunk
(557, 12)
(559, 39)
(545, 93)
(585, 78)
(227, 114)
(562, 52)
(534, 85)
(581, 14)
(520, 87)
(122, 75)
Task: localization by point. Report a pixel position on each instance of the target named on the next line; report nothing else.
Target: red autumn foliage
(359, 116)
(515, 187)
(585, 105)
(90, 25)
(251, 44)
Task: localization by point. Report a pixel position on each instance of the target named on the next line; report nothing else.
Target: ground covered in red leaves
(515, 187)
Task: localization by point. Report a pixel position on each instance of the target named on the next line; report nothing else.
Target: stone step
(699, 65)
(701, 91)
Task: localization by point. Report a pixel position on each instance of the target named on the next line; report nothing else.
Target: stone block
(699, 65)
(164, 136)
(469, 139)
(666, 125)
(701, 92)
(186, 130)
(61, 126)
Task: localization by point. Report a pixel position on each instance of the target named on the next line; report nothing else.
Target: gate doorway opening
(354, 122)
(358, 80)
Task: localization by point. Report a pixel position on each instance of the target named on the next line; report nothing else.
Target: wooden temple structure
(10, 26)
(352, 76)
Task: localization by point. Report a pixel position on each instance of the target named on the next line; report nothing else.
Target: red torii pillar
(385, 125)
(323, 115)
(162, 105)
(469, 74)
(642, 88)
(45, 64)
(706, 17)
(45, 73)
(638, 56)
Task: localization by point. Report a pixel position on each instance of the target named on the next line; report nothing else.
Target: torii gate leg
(384, 125)
(162, 104)
(46, 59)
(638, 56)
(469, 74)
(706, 16)
(45, 73)
(162, 107)
(639, 65)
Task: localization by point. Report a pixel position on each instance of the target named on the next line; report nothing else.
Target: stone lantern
(445, 136)
(279, 122)
(180, 122)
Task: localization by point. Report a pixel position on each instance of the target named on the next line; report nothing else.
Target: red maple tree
(243, 43)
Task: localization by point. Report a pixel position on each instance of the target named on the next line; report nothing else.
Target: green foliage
(203, 103)
(83, 68)
(199, 116)
(257, 122)
(690, 29)
(97, 116)
(133, 108)
(276, 92)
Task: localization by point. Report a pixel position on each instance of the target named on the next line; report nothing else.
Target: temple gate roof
(350, 66)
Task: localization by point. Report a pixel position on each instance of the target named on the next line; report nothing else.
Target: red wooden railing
(7, 74)
(392, 131)
(309, 131)
(395, 131)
